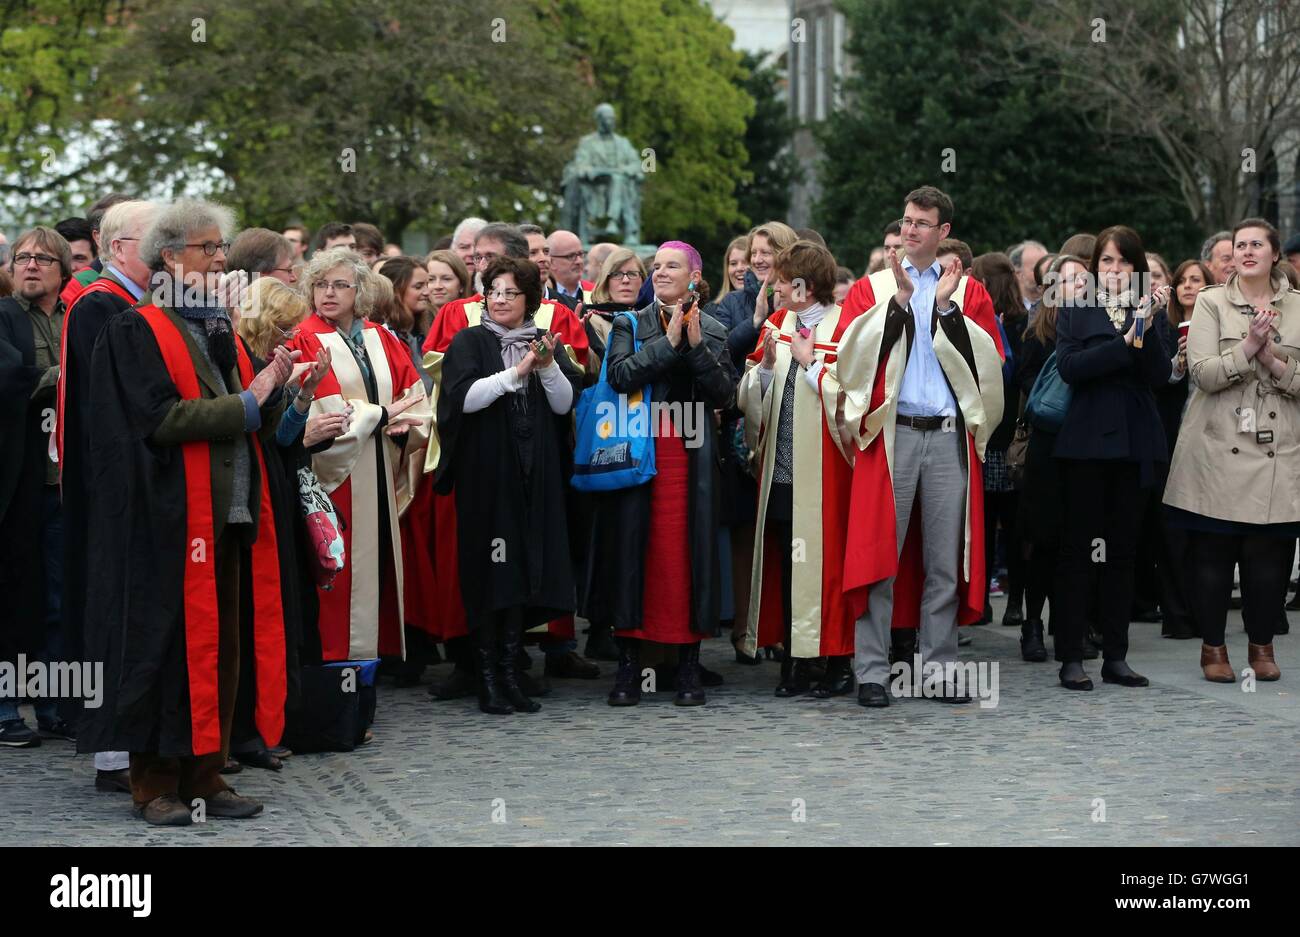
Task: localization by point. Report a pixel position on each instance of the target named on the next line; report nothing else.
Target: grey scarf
(515, 343)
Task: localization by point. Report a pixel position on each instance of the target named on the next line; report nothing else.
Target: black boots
(491, 698)
(511, 640)
(1118, 671)
(794, 677)
(1032, 648)
(463, 678)
(838, 680)
(1013, 616)
(1073, 677)
(627, 685)
(689, 690)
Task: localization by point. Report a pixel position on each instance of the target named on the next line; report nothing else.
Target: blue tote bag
(1049, 399)
(614, 447)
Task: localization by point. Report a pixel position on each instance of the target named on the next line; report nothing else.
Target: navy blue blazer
(1112, 411)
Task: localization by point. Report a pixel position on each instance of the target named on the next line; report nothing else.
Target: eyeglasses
(922, 226)
(507, 295)
(287, 334)
(575, 256)
(483, 258)
(338, 286)
(282, 269)
(42, 260)
(211, 247)
(626, 276)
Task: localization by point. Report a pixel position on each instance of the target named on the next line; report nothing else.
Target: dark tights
(1265, 563)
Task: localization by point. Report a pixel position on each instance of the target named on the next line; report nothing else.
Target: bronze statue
(602, 185)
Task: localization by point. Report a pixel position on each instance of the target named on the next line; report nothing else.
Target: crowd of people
(233, 461)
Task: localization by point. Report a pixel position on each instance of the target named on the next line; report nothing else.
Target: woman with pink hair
(666, 591)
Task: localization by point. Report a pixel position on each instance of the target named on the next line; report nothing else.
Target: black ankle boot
(1032, 648)
(512, 636)
(794, 677)
(1013, 616)
(689, 690)
(627, 684)
(838, 680)
(1073, 676)
(1118, 671)
(491, 699)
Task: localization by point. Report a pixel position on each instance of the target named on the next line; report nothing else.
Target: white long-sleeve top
(483, 392)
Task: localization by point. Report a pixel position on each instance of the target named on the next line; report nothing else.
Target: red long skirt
(666, 603)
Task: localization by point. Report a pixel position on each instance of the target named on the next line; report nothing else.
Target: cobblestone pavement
(1184, 761)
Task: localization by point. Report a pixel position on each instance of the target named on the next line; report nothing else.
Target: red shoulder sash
(200, 589)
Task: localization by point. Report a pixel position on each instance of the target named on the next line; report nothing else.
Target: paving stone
(1184, 761)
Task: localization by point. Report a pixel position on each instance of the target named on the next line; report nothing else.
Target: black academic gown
(137, 541)
(512, 535)
(81, 329)
(22, 481)
(617, 567)
(297, 591)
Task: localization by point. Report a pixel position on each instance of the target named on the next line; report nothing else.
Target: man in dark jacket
(31, 324)
(181, 506)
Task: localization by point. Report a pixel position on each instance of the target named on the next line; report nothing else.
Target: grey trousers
(928, 474)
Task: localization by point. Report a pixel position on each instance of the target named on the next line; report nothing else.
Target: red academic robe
(361, 615)
(871, 549)
(449, 609)
(822, 620)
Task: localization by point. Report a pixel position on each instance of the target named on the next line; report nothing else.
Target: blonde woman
(269, 315)
(617, 287)
(369, 471)
(735, 264)
(743, 313)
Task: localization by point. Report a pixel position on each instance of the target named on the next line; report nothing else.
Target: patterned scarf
(221, 335)
(1117, 307)
(515, 343)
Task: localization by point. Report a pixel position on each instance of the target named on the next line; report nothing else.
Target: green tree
(393, 111)
(49, 94)
(773, 169)
(966, 109)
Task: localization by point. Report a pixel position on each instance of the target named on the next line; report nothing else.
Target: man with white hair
(181, 507)
(1024, 257)
(1216, 253)
(462, 239)
(121, 283)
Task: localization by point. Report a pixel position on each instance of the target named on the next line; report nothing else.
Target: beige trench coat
(1238, 452)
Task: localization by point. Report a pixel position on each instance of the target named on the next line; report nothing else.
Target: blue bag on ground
(336, 706)
(614, 443)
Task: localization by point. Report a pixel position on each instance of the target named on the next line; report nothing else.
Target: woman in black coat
(503, 419)
(1041, 496)
(1001, 499)
(1112, 445)
(654, 570)
(1189, 279)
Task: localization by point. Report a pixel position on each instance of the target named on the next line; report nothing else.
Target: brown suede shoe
(230, 806)
(1215, 666)
(166, 810)
(1260, 657)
